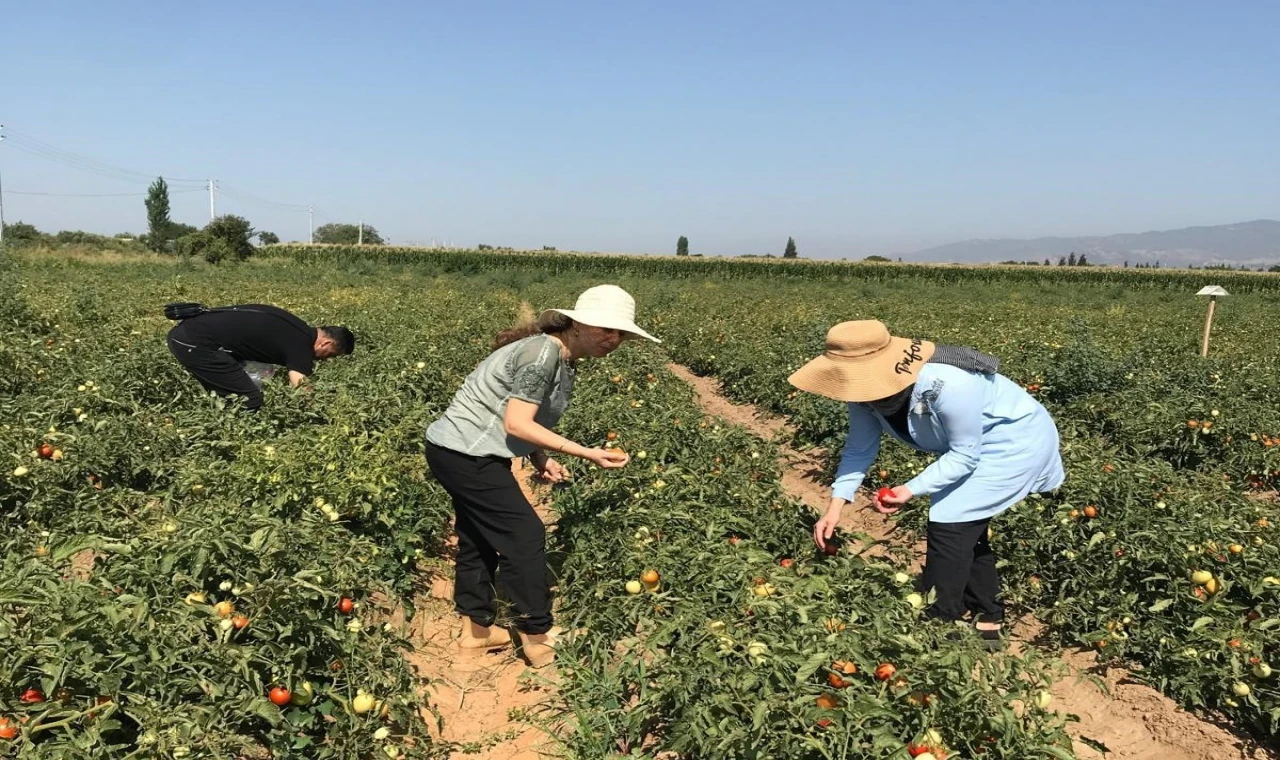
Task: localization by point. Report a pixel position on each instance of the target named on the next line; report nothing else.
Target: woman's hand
(826, 525)
(518, 421)
(609, 459)
(551, 471)
(890, 500)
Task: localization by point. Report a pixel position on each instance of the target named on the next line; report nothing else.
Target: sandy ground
(481, 698)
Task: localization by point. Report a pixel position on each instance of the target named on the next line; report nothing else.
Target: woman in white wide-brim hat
(505, 409)
(996, 445)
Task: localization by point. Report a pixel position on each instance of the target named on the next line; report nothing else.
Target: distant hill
(1252, 244)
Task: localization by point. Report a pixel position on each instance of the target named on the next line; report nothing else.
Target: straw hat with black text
(863, 362)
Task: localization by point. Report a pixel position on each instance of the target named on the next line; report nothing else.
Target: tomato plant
(1171, 459)
(197, 562)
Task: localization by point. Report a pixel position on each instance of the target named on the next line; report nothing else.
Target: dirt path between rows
(1134, 722)
(480, 699)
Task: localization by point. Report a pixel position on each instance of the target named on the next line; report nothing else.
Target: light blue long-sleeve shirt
(997, 444)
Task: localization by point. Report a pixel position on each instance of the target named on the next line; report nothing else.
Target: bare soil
(481, 699)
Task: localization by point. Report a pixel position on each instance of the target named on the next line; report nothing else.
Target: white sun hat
(607, 306)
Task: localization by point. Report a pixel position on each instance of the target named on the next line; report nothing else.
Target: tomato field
(180, 580)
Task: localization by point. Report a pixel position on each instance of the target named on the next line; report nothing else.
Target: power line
(97, 195)
(35, 147)
(123, 176)
(76, 195)
(241, 195)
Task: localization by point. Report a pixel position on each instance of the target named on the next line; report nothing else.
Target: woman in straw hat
(997, 444)
(507, 408)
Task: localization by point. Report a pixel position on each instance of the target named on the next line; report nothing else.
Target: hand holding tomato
(610, 459)
(886, 498)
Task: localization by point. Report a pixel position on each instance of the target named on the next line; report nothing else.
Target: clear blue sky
(857, 128)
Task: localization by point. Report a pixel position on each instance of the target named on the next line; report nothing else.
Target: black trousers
(961, 567)
(216, 370)
(500, 538)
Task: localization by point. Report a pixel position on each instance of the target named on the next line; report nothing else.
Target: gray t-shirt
(530, 369)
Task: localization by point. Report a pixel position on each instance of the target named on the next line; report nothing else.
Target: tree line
(790, 252)
(228, 237)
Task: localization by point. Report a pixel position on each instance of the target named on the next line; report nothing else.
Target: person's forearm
(545, 439)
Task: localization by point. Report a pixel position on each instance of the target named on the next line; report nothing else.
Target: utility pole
(213, 199)
(1, 197)
(360, 235)
(311, 224)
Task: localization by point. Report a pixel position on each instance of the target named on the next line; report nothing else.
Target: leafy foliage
(22, 234)
(163, 491)
(1179, 456)
(159, 492)
(347, 234)
(159, 226)
(234, 234)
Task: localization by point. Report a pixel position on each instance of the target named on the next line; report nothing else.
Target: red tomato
(885, 671)
(279, 696)
(46, 450)
(7, 729)
(882, 493)
(345, 605)
(32, 696)
(786, 562)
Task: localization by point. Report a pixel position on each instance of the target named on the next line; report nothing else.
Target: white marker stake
(1213, 291)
